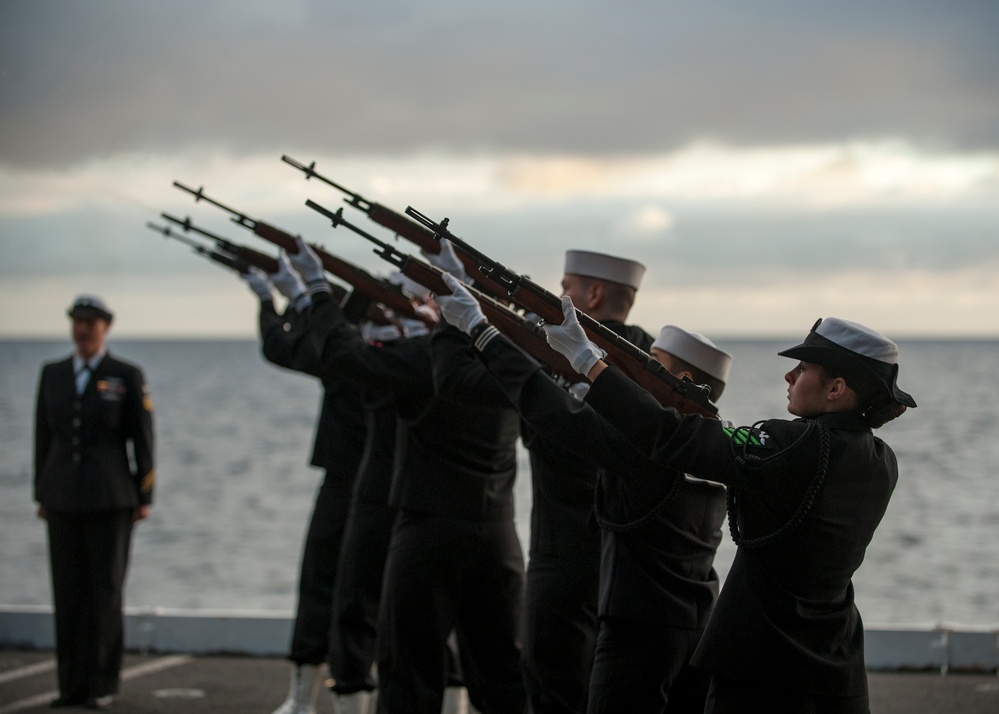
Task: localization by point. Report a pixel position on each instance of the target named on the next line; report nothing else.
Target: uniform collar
(843, 420)
(93, 362)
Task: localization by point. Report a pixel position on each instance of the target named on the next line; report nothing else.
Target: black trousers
(356, 595)
(560, 632)
(88, 555)
(444, 574)
(642, 668)
(727, 696)
(310, 638)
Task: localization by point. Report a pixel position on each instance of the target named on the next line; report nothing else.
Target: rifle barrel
(629, 358)
(310, 172)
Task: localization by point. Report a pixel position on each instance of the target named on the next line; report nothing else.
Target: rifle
(248, 255)
(240, 264)
(521, 331)
(400, 225)
(382, 215)
(230, 261)
(389, 295)
(670, 391)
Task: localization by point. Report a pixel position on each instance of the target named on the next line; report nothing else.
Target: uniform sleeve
(284, 340)
(692, 444)
(554, 414)
(459, 375)
(343, 354)
(140, 416)
(43, 430)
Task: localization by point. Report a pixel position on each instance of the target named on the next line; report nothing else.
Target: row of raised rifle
(511, 301)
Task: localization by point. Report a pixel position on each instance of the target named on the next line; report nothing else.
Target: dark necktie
(82, 377)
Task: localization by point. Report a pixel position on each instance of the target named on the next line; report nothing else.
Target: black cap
(855, 349)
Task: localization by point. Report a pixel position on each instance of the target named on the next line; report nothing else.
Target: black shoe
(99, 702)
(67, 702)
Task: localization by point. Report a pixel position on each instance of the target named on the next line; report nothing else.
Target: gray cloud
(79, 80)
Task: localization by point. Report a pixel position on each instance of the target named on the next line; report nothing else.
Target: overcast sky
(770, 162)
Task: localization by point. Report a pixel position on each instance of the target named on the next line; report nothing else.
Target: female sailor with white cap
(805, 497)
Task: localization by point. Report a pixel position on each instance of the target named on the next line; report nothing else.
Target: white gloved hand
(258, 282)
(370, 332)
(306, 263)
(569, 340)
(460, 308)
(579, 390)
(286, 280)
(447, 260)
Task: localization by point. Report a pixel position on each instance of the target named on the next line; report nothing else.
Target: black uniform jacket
(341, 428)
(82, 441)
(374, 475)
(563, 483)
(786, 615)
(661, 571)
(452, 459)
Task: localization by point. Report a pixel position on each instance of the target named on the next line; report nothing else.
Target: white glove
(412, 327)
(460, 308)
(569, 340)
(371, 332)
(306, 263)
(579, 390)
(286, 280)
(447, 260)
(258, 282)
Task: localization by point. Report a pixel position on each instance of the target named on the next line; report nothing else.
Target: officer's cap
(90, 306)
(855, 349)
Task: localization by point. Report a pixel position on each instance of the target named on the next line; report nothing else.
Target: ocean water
(234, 489)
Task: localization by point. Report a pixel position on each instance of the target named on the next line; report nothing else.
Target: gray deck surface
(155, 684)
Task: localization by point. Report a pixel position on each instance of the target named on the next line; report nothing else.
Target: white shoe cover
(303, 692)
(356, 703)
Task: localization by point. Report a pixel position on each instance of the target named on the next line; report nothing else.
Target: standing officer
(93, 415)
(560, 608)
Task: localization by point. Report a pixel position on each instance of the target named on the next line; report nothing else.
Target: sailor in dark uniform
(93, 479)
(657, 580)
(358, 587)
(338, 447)
(560, 609)
(659, 536)
(805, 497)
(454, 562)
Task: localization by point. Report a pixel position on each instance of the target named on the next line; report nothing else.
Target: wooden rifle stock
(368, 285)
(225, 259)
(248, 255)
(521, 331)
(670, 391)
(400, 225)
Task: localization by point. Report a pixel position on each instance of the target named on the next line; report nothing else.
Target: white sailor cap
(696, 350)
(409, 286)
(853, 348)
(90, 306)
(604, 267)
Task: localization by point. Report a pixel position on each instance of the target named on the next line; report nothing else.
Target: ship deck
(195, 684)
